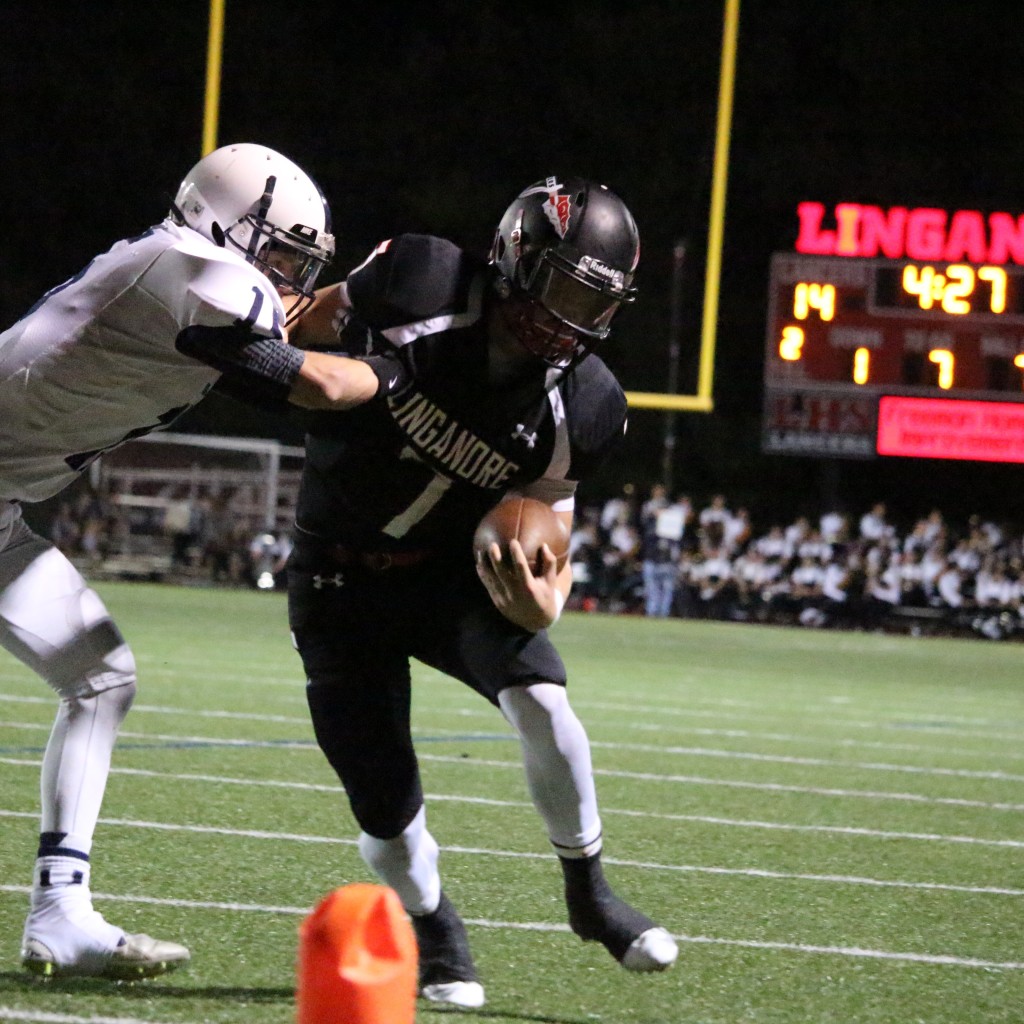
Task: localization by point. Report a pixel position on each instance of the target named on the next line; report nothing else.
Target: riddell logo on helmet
(589, 265)
(557, 210)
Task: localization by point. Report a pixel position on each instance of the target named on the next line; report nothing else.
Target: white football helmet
(266, 208)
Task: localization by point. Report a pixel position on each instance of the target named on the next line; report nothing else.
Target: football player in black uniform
(465, 380)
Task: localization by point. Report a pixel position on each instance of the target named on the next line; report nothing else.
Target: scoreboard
(893, 356)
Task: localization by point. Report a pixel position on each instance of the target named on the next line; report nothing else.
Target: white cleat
(467, 994)
(137, 957)
(653, 950)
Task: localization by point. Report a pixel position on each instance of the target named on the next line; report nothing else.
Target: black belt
(375, 561)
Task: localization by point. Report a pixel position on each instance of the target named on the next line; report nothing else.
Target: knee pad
(95, 661)
(117, 700)
(374, 759)
(105, 710)
(53, 622)
(407, 863)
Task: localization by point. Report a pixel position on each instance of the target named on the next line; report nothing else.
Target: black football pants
(356, 631)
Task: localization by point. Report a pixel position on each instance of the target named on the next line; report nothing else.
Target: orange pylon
(357, 960)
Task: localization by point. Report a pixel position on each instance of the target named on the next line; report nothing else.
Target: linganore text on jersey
(433, 432)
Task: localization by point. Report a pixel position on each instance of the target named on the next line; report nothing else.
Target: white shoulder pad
(202, 284)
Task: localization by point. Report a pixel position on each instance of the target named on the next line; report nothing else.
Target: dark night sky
(433, 118)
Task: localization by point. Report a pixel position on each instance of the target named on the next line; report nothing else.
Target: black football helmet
(565, 253)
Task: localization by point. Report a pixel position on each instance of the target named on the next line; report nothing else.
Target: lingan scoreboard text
(897, 332)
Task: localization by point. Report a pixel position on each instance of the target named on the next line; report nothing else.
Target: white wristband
(559, 605)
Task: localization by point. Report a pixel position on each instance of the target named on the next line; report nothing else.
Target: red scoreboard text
(882, 309)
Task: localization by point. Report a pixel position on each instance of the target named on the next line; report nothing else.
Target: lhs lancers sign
(921, 233)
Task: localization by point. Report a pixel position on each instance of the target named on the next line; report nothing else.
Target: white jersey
(94, 362)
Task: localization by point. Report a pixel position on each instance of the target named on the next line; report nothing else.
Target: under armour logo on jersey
(522, 434)
(337, 580)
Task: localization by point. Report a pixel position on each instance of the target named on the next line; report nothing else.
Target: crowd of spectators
(660, 556)
(178, 533)
(671, 556)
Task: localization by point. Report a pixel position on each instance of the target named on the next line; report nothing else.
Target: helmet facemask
(542, 334)
(563, 306)
(291, 259)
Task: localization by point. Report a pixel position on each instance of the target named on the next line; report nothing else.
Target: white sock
(556, 756)
(408, 863)
(74, 776)
(77, 762)
(62, 916)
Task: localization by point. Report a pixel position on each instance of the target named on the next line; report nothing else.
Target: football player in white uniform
(98, 360)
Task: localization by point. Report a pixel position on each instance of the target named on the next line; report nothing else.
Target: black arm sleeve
(260, 371)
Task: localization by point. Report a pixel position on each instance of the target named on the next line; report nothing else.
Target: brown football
(529, 521)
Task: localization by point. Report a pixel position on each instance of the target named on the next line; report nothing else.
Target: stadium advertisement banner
(926, 428)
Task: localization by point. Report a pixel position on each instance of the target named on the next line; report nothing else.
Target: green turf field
(832, 824)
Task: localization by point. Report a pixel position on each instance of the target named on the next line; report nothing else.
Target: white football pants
(56, 625)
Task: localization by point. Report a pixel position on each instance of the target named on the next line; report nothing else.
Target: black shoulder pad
(595, 410)
(409, 278)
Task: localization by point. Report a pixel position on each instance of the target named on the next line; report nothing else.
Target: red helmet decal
(557, 209)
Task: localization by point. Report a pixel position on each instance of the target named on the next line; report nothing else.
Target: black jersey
(418, 465)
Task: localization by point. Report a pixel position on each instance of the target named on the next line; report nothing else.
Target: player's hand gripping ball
(529, 521)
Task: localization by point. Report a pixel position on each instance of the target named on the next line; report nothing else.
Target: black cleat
(446, 970)
(596, 914)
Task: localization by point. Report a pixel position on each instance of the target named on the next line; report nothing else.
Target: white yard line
(39, 1017)
(542, 926)
(707, 752)
(812, 762)
(990, 727)
(700, 819)
(185, 712)
(676, 728)
(775, 787)
(489, 715)
(476, 851)
(830, 741)
(693, 780)
(886, 718)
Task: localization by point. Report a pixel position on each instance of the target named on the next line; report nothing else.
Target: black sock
(596, 914)
(443, 946)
